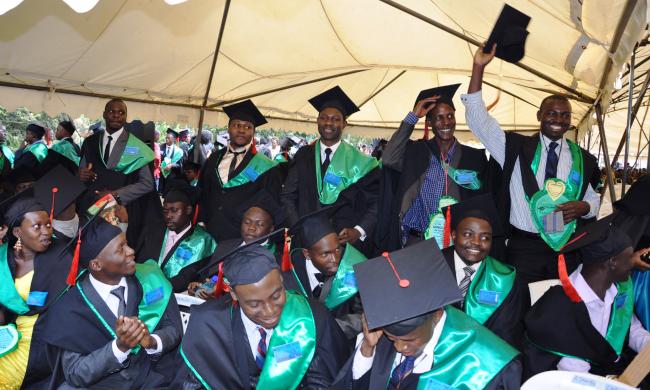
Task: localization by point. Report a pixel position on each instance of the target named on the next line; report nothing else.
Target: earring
(18, 246)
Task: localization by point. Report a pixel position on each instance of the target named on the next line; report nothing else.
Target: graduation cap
(68, 126)
(19, 205)
(313, 226)
(398, 289)
(596, 242)
(37, 129)
(172, 132)
(248, 264)
(181, 191)
(446, 93)
(509, 33)
(21, 175)
(268, 203)
(334, 98)
(57, 190)
(245, 111)
(481, 207)
(184, 132)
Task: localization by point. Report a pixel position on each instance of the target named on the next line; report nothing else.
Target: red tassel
(446, 235)
(48, 137)
(569, 290)
(287, 265)
(426, 130)
(220, 288)
(196, 215)
(253, 148)
(54, 191)
(74, 268)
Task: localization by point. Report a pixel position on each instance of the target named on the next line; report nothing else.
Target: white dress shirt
(114, 138)
(224, 165)
(113, 302)
(488, 131)
(68, 228)
(323, 155)
(173, 237)
(311, 274)
(253, 334)
(599, 313)
(361, 364)
(459, 264)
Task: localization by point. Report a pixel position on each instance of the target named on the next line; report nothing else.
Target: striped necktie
(464, 284)
(402, 370)
(261, 349)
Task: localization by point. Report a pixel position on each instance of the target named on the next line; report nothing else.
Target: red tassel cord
(569, 290)
(446, 236)
(74, 268)
(426, 130)
(220, 288)
(54, 191)
(287, 265)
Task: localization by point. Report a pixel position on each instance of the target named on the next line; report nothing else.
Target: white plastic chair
(568, 380)
(537, 289)
(185, 302)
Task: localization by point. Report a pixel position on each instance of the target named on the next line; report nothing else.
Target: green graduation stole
(196, 247)
(194, 182)
(38, 149)
(280, 158)
(256, 167)
(136, 155)
(156, 291)
(9, 297)
(170, 160)
(344, 285)
(66, 149)
(436, 227)
(347, 166)
(467, 356)
(621, 317)
(488, 289)
(7, 155)
(292, 346)
(556, 192)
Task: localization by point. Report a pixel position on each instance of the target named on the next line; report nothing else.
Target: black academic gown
(175, 173)
(346, 314)
(143, 211)
(73, 327)
(50, 271)
(507, 321)
(54, 158)
(216, 344)
(378, 377)
(395, 185)
(358, 201)
(219, 207)
(558, 324)
(149, 246)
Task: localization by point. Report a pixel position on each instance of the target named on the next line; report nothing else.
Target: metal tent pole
(603, 143)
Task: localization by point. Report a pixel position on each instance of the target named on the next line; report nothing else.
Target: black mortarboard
(68, 126)
(482, 207)
(184, 132)
(334, 98)
(245, 111)
(268, 203)
(94, 238)
(509, 33)
(22, 174)
(405, 284)
(58, 189)
(598, 241)
(172, 132)
(248, 264)
(21, 204)
(313, 226)
(37, 129)
(181, 191)
(446, 93)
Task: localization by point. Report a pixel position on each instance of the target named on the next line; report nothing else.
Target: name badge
(251, 173)
(465, 177)
(184, 253)
(349, 280)
(332, 179)
(286, 352)
(574, 176)
(553, 222)
(488, 297)
(36, 298)
(432, 384)
(153, 296)
(581, 380)
(620, 300)
(131, 150)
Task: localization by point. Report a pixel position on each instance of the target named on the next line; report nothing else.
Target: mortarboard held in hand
(509, 33)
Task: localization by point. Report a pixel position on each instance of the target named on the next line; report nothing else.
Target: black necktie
(318, 289)
(119, 293)
(233, 163)
(326, 162)
(551, 161)
(107, 150)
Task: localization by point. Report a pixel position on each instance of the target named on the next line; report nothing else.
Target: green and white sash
(256, 167)
(488, 289)
(38, 149)
(68, 151)
(176, 156)
(196, 247)
(136, 155)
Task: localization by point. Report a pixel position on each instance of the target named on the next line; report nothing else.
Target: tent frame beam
(577, 95)
(603, 144)
(381, 89)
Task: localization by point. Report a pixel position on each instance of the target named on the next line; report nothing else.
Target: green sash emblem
(9, 296)
(6, 154)
(9, 338)
(347, 166)
(176, 156)
(621, 317)
(196, 247)
(156, 291)
(38, 149)
(436, 228)
(257, 166)
(344, 285)
(66, 149)
(554, 193)
(467, 355)
(465, 178)
(136, 155)
(292, 346)
(488, 289)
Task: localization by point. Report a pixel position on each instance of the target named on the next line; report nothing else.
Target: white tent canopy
(282, 52)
